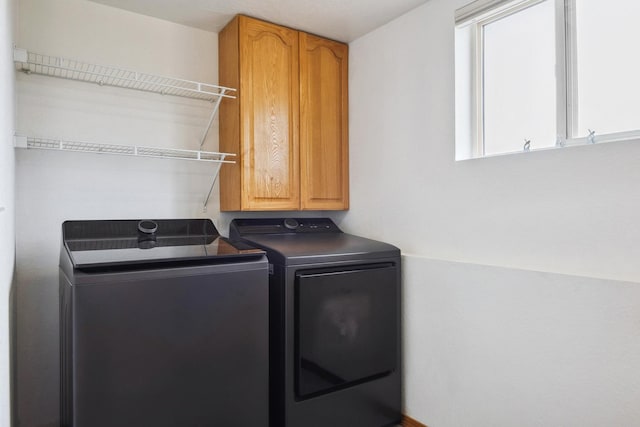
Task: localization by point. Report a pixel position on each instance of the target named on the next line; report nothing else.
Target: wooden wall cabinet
(288, 123)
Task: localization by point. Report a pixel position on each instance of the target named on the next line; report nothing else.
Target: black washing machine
(334, 323)
(163, 324)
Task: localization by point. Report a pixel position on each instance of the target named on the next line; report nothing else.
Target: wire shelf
(70, 69)
(102, 75)
(129, 150)
(123, 150)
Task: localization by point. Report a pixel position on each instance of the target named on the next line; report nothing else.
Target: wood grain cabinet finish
(324, 148)
(288, 123)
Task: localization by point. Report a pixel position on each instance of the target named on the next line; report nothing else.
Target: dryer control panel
(243, 227)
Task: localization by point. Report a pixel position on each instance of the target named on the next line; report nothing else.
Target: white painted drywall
(494, 346)
(57, 186)
(7, 202)
(491, 346)
(572, 210)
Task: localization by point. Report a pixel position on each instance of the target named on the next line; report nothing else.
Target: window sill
(633, 137)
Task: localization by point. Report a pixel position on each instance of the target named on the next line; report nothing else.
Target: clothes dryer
(334, 323)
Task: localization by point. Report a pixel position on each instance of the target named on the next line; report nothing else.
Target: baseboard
(410, 422)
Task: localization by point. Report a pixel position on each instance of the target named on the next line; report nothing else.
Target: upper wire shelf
(54, 66)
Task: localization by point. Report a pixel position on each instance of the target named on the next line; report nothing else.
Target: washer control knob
(291, 223)
(147, 226)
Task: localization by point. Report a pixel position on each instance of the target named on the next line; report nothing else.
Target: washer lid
(106, 243)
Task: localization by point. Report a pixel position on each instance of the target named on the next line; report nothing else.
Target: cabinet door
(324, 104)
(269, 105)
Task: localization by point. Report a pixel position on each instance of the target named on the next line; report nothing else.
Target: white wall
(57, 186)
(7, 202)
(572, 211)
(492, 346)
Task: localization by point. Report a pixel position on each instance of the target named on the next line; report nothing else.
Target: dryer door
(346, 327)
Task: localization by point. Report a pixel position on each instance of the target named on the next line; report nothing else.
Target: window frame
(484, 12)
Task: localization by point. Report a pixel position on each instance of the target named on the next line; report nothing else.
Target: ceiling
(343, 20)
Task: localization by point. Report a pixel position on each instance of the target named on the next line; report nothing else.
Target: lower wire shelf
(123, 150)
(127, 150)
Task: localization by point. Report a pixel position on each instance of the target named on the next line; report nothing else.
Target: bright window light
(536, 74)
(519, 80)
(608, 66)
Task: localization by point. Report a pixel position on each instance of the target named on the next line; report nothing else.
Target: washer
(162, 323)
(334, 323)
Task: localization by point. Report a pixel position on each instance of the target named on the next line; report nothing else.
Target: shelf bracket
(20, 141)
(216, 105)
(20, 55)
(215, 177)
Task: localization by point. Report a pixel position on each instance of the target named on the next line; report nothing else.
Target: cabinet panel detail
(323, 123)
(269, 98)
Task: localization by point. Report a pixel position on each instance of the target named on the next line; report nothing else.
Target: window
(535, 74)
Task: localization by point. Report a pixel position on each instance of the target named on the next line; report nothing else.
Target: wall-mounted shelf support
(216, 105)
(213, 183)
